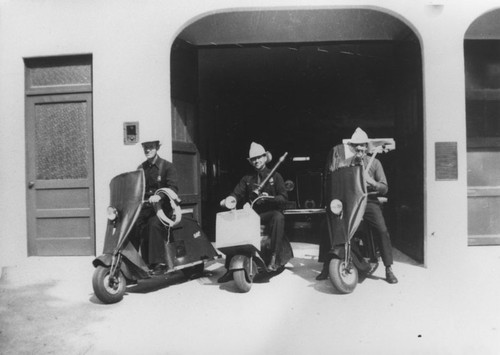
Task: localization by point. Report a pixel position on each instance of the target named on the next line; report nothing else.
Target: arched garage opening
(482, 82)
(300, 81)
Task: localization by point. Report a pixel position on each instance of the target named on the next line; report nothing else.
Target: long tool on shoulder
(264, 182)
(382, 145)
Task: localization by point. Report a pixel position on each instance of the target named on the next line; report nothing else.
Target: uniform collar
(155, 161)
(264, 171)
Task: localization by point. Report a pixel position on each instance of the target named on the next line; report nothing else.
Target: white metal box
(238, 227)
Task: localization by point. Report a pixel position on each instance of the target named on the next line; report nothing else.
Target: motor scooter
(186, 246)
(240, 236)
(351, 253)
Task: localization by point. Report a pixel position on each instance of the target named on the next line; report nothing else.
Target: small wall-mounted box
(130, 132)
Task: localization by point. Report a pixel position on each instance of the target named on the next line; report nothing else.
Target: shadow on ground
(157, 283)
(33, 317)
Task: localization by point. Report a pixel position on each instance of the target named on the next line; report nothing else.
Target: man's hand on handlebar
(154, 199)
(370, 181)
(229, 203)
(262, 197)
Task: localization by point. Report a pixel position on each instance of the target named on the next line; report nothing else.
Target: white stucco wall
(130, 44)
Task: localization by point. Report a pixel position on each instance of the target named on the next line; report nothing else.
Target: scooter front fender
(246, 263)
(359, 263)
(239, 262)
(103, 260)
(106, 260)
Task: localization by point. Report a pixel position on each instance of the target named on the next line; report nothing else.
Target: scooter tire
(241, 281)
(105, 292)
(343, 279)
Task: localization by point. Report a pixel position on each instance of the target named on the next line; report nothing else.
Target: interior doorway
(300, 82)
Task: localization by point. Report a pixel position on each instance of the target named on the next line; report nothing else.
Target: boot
(272, 264)
(323, 275)
(389, 276)
(228, 276)
(373, 267)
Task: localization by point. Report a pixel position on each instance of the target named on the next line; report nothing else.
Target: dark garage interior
(300, 82)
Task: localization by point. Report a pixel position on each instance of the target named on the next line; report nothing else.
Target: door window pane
(61, 141)
(58, 71)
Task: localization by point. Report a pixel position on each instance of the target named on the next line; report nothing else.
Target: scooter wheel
(344, 277)
(104, 289)
(241, 281)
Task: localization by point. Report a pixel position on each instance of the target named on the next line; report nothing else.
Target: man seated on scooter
(159, 173)
(376, 182)
(269, 210)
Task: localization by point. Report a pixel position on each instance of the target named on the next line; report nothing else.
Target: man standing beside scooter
(377, 186)
(159, 173)
(268, 210)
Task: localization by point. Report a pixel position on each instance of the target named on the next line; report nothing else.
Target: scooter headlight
(112, 213)
(230, 202)
(336, 207)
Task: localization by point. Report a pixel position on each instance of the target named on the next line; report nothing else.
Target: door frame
(53, 93)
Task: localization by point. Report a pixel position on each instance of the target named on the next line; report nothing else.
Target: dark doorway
(304, 97)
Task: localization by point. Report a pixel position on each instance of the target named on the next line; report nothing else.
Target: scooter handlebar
(262, 197)
(229, 203)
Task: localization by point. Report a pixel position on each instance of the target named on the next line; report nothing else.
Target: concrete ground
(47, 306)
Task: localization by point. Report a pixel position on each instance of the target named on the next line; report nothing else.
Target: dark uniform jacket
(269, 210)
(159, 174)
(376, 171)
(274, 187)
(337, 159)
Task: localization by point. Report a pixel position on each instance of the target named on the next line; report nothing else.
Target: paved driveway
(47, 306)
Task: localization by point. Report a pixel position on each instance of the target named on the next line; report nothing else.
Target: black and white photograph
(279, 177)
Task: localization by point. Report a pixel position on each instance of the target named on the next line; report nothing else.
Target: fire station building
(83, 82)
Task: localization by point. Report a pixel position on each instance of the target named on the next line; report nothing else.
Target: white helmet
(257, 150)
(359, 137)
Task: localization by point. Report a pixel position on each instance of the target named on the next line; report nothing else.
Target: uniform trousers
(153, 234)
(374, 218)
(275, 225)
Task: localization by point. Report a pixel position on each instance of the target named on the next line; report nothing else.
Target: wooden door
(404, 167)
(186, 157)
(59, 173)
(482, 58)
(187, 162)
(483, 192)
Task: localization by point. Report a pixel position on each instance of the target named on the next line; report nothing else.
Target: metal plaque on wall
(446, 161)
(130, 132)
